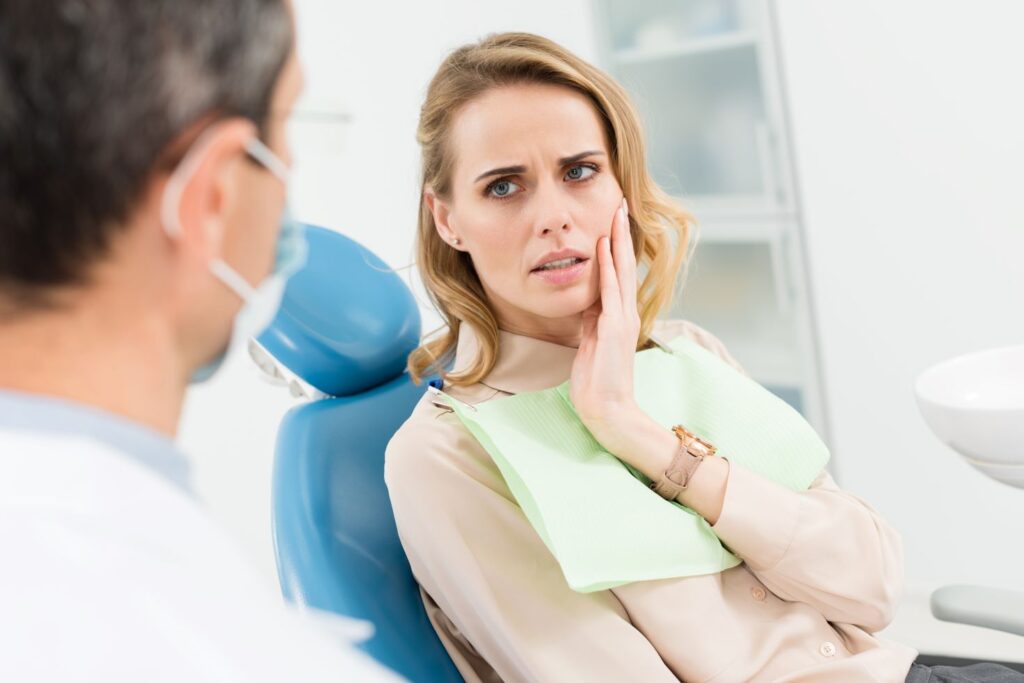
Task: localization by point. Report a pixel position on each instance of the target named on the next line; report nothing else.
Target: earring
(456, 241)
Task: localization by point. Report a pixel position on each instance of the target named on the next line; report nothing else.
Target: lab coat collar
(50, 415)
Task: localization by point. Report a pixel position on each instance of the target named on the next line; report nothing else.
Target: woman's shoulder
(428, 430)
(667, 330)
(432, 445)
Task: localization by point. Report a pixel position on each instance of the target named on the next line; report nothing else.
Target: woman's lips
(564, 275)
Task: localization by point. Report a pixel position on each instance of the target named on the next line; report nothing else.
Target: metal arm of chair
(994, 608)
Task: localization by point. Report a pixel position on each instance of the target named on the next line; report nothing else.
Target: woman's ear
(442, 219)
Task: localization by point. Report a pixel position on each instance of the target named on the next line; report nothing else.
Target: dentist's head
(142, 190)
(528, 152)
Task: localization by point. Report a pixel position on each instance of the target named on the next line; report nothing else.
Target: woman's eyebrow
(514, 170)
(504, 170)
(565, 161)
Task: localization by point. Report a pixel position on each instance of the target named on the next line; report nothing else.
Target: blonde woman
(549, 252)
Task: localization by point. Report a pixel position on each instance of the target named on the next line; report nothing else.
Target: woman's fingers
(625, 264)
(618, 248)
(627, 238)
(590, 318)
(611, 300)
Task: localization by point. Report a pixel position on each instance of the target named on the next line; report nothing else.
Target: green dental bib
(597, 515)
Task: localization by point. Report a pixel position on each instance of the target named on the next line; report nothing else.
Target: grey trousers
(975, 673)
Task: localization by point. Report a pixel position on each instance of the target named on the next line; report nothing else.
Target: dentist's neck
(103, 350)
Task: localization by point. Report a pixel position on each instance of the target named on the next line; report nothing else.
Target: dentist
(143, 172)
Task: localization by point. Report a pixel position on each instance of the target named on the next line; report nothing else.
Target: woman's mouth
(562, 271)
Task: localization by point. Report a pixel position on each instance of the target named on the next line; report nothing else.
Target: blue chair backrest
(346, 325)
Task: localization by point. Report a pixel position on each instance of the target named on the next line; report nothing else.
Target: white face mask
(260, 303)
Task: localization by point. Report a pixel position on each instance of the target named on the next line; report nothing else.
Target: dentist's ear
(205, 188)
(442, 219)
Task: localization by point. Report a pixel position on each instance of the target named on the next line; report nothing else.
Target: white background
(908, 126)
(908, 121)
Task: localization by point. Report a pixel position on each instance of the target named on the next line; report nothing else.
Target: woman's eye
(502, 189)
(581, 172)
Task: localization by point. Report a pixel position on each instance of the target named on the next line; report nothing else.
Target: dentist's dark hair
(94, 94)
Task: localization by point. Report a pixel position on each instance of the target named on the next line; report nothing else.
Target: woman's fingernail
(625, 207)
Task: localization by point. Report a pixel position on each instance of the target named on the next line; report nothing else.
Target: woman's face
(532, 192)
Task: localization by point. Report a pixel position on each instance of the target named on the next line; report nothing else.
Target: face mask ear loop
(170, 208)
(235, 282)
(170, 204)
(261, 153)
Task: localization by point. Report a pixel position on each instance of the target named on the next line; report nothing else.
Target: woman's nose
(552, 214)
(554, 227)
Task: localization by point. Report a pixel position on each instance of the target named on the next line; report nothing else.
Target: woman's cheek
(599, 210)
(501, 252)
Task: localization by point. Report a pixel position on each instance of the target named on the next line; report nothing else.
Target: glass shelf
(653, 24)
(757, 228)
(704, 116)
(736, 290)
(699, 46)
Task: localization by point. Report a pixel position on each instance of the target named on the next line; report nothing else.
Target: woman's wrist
(632, 436)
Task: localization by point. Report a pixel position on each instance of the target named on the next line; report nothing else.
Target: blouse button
(827, 649)
(758, 593)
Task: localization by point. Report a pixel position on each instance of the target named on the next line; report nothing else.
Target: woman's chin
(565, 304)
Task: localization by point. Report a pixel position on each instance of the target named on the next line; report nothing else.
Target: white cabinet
(705, 78)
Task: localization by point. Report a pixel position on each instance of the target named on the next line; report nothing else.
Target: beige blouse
(821, 571)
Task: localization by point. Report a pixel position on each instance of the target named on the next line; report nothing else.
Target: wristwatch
(691, 453)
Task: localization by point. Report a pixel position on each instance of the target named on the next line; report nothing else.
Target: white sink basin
(975, 404)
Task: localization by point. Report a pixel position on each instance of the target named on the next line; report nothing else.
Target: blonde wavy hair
(660, 228)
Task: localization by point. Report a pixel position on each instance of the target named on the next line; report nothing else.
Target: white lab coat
(109, 572)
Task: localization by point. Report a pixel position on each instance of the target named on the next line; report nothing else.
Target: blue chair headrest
(351, 336)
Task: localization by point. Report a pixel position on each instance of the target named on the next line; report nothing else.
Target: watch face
(704, 446)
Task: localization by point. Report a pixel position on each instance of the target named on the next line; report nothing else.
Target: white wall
(908, 120)
(372, 60)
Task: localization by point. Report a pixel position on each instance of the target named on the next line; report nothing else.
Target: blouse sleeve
(823, 547)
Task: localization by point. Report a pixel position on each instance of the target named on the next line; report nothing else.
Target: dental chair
(346, 324)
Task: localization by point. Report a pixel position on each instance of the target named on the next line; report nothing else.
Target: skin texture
(129, 340)
(540, 204)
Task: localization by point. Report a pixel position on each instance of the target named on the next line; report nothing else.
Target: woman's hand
(601, 383)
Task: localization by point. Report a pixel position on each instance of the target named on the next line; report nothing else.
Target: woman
(536, 212)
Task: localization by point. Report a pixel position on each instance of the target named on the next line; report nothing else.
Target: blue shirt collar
(51, 415)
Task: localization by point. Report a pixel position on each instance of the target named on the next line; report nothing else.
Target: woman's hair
(660, 228)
